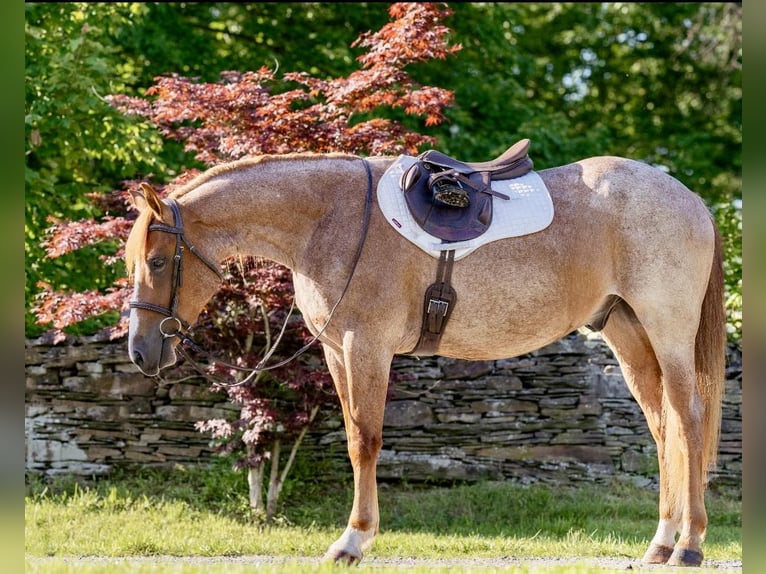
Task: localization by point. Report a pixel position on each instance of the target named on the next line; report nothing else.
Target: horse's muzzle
(151, 357)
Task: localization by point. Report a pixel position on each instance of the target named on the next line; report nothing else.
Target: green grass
(204, 513)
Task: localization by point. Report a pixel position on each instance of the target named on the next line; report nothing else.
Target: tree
(74, 140)
(277, 406)
(253, 113)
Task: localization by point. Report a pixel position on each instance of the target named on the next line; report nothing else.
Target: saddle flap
(451, 199)
(443, 221)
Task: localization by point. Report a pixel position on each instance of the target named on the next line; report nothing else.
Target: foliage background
(655, 82)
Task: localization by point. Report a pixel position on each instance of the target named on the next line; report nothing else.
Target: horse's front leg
(361, 379)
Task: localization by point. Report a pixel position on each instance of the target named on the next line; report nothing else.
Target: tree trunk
(255, 484)
(275, 484)
(277, 480)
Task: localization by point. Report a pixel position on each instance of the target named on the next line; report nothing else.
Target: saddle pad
(528, 210)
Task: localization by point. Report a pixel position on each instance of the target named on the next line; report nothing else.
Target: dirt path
(615, 564)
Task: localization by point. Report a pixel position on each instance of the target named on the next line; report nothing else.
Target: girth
(439, 300)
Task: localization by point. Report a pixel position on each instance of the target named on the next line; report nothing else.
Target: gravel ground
(616, 564)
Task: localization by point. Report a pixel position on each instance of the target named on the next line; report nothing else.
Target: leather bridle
(170, 312)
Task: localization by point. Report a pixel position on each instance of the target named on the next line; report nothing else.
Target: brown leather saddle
(451, 199)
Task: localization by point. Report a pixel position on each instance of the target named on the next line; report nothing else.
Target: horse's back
(632, 190)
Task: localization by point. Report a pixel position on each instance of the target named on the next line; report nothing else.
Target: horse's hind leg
(671, 329)
(361, 379)
(630, 344)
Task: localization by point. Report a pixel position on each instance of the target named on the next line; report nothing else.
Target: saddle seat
(451, 199)
(514, 162)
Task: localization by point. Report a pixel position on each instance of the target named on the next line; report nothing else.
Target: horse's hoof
(657, 554)
(342, 557)
(685, 557)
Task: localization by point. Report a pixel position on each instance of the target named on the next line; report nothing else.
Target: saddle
(451, 199)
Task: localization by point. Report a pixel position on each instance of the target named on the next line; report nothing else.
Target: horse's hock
(562, 413)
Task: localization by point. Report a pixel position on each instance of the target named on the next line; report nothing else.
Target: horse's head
(172, 281)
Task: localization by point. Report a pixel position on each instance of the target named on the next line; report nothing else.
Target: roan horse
(626, 237)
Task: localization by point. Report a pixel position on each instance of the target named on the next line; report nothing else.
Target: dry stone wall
(562, 413)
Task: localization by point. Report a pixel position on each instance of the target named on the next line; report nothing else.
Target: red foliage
(71, 308)
(240, 115)
(254, 301)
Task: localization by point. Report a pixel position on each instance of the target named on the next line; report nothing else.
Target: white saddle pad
(528, 210)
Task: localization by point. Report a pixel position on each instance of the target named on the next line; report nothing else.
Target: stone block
(402, 465)
(460, 369)
(138, 456)
(407, 414)
(189, 452)
(504, 406)
(133, 385)
(503, 383)
(586, 454)
(91, 368)
(100, 454)
(189, 392)
(468, 418)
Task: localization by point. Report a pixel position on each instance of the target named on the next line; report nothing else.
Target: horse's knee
(364, 446)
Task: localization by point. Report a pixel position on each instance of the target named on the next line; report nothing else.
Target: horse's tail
(710, 353)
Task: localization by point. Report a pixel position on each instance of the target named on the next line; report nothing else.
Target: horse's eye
(157, 263)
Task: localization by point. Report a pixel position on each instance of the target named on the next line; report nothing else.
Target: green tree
(657, 82)
(76, 144)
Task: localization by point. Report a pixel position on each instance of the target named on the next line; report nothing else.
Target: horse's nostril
(137, 358)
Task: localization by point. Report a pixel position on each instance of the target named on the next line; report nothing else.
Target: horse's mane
(244, 163)
(135, 247)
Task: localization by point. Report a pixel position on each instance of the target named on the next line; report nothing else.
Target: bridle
(171, 312)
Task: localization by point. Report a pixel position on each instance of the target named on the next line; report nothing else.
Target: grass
(204, 513)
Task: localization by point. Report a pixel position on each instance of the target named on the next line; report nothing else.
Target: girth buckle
(437, 307)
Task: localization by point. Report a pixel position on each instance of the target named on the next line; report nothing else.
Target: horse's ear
(147, 198)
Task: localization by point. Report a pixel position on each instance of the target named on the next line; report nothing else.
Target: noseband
(171, 312)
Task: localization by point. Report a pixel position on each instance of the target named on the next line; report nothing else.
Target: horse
(630, 248)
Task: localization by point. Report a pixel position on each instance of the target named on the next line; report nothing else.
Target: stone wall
(560, 413)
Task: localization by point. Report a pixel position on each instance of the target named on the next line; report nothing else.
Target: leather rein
(171, 311)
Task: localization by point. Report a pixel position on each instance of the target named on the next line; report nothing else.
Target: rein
(170, 312)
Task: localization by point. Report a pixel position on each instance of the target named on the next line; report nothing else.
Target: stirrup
(450, 194)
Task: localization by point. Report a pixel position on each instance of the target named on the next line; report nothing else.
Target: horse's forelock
(135, 247)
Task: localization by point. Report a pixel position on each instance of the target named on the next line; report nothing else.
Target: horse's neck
(275, 209)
